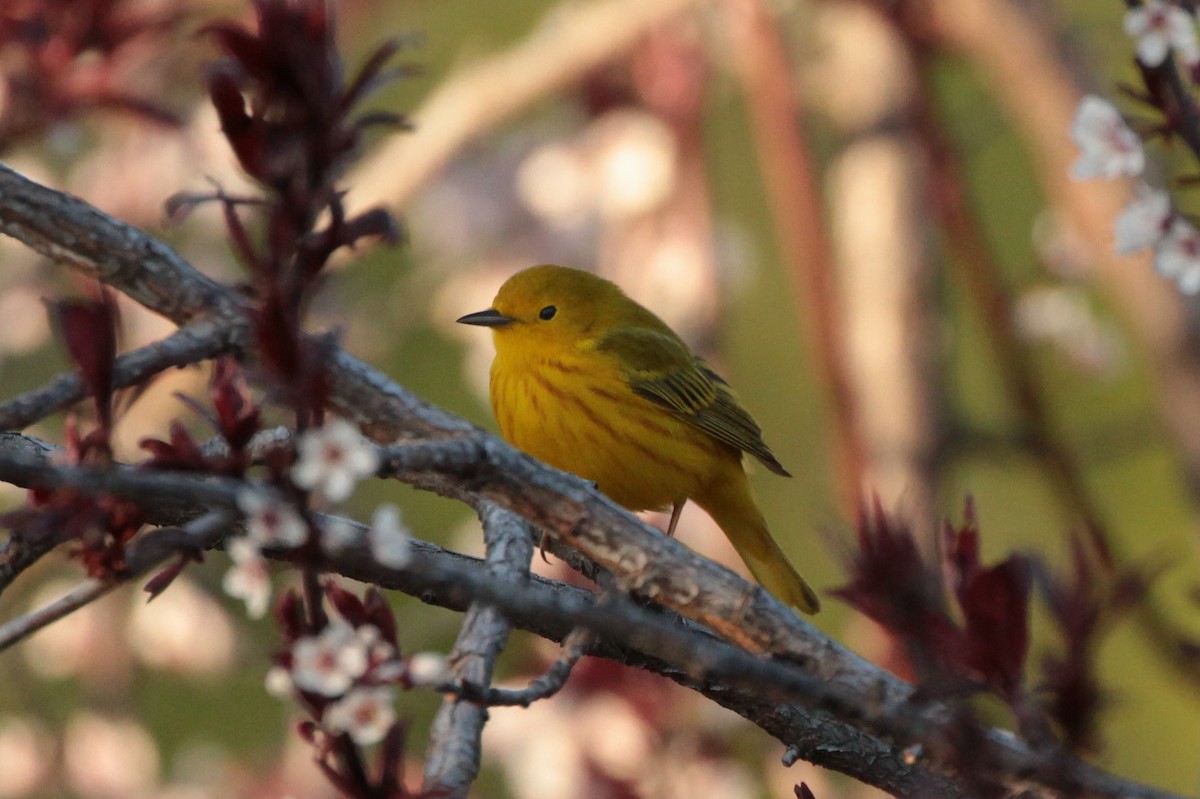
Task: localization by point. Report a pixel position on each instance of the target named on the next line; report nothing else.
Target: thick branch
(69, 231)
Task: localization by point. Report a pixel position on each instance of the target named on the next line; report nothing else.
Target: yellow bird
(592, 383)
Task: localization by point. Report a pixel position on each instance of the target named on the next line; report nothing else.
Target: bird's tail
(732, 507)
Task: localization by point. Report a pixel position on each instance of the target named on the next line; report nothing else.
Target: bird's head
(547, 306)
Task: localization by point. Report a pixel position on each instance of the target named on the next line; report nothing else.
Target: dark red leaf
(89, 333)
(379, 613)
(348, 605)
(308, 730)
(166, 575)
(376, 222)
(892, 584)
(995, 605)
(243, 47)
(289, 613)
(391, 755)
(237, 413)
(182, 453)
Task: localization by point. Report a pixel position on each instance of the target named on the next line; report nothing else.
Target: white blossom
(1160, 27)
(1108, 147)
(378, 650)
(330, 662)
(248, 579)
(278, 682)
(271, 523)
(390, 543)
(1143, 222)
(366, 714)
(333, 458)
(1178, 256)
(428, 668)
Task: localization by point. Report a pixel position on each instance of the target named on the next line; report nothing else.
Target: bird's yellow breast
(574, 410)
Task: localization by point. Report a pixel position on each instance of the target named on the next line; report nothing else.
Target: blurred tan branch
(878, 190)
(572, 40)
(791, 179)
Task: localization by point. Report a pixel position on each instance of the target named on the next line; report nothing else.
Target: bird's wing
(660, 368)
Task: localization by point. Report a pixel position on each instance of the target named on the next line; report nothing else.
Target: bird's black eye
(547, 313)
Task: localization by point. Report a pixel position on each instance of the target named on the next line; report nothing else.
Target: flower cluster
(344, 674)
(268, 523)
(1161, 27)
(331, 459)
(1110, 149)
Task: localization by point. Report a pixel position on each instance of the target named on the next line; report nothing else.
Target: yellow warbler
(590, 382)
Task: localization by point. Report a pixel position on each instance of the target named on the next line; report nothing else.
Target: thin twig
(150, 550)
(453, 757)
(196, 341)
(544, 686)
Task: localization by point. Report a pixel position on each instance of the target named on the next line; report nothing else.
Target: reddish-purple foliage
(89, 334)
(289, 615)
(64, 57)
(235, 418)
(1083, 602)
(893, 584)
(985, 641)
(291, 118)
(101, 526)
(995, 608)
(162, 579)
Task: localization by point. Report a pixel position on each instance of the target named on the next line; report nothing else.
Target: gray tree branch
(843, 712)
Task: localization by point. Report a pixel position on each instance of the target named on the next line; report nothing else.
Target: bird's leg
(542, 548)
(676, 509)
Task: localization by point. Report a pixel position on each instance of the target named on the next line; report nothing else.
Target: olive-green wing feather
(660, 368)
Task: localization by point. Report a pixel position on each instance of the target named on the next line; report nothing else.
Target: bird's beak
(489, 318)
